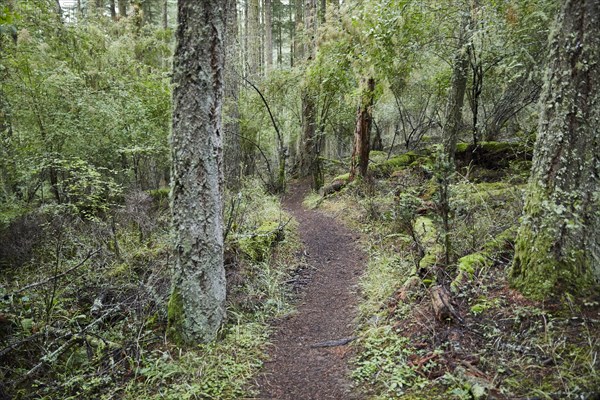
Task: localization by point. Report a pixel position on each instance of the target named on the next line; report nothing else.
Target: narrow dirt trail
(298, 369)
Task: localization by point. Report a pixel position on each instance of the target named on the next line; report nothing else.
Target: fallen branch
(72, 340)
(334, 343)
(55, 277)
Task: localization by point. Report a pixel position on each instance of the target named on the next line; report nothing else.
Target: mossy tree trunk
(122, 8)
(450, 132)
(456, 96)
(309, 149)
(197, 304)
(362, 131)
(558, 244)
(268, 18)
(233, 146)
(254, 39)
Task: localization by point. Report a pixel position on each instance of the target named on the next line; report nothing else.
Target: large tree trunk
(122, 8)
(197, 304)
(362, 132)
(456, 96)
(268, 7)
(308, 145)
(113, 10)
(299, 31)
(309, 157)
(233, 151)
(254, 38)
(558, 245)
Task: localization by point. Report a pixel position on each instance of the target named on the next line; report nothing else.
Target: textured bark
(362, 132)
(113, 10)
(165, 14)
(476, 66)
(7, 162)
(456, 96)
(254, 38)
(197, 304)
(122, 8)
(268, 35)
(298, 47)
(310, 29)
(558, 245)
(309, 161)
(309, 157)
(233, 151)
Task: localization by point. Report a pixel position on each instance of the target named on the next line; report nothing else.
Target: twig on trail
(334, 343)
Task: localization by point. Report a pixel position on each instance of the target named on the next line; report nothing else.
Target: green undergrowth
(84, 314)
(497, 344)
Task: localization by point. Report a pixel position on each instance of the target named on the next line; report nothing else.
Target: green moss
(501, 241)
(387, 167)
(428, 261)
(462, 147)
(491, 155)
(537, 272)
(258, 245)
(429, 189)
(176, 317)
(160, 197)
(425, 230)
(377, 156)
(547, 260)
(344, 177)
(472, 262)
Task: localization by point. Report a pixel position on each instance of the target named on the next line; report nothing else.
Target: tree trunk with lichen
(362, 132)
(309, 146)
(558, 246)
(122, 4)
(268, 18)
(456, 96)
(233, 147)
(197, 304)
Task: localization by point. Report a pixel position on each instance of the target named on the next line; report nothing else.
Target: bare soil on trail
(305, 363)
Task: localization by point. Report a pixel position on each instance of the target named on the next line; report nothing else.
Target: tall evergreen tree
(197, 304)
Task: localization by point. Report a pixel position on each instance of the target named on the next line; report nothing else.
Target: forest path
(303, 365)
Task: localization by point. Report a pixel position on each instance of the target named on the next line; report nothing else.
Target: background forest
(444, 96)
